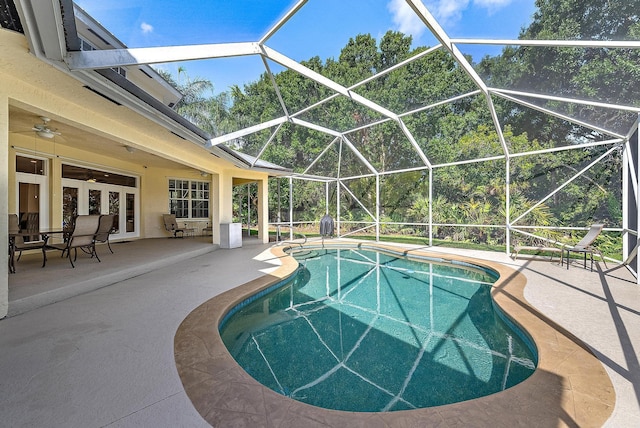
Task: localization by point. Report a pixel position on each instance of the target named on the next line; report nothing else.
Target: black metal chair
(34, 242)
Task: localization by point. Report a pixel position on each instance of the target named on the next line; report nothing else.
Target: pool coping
(570, 386)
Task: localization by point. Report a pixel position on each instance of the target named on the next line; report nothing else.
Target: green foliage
(600, 74)
(473, 193)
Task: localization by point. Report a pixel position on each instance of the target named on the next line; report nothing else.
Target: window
(30, 165)
(199, 199)
(189, 199)
(87, 46)
(96, 176)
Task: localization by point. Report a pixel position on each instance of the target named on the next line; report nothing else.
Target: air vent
(102, 95)
(92, 31)
(145, 73)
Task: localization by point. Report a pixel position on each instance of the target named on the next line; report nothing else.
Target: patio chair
(207, 230)
(537, 246)
(30, 222)
(83, 237)
(171, 225)
(35, 241)
(105, 226)
(585, 247)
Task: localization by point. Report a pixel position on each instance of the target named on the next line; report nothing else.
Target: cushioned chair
(585, 246)
(105, 226)
(171, 225)
(83, 236)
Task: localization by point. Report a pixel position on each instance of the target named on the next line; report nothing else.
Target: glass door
(94, 192)
(131, 217)
(80, 198)
(69, 205)
(32, 194)
(95, 200)
(114, 208)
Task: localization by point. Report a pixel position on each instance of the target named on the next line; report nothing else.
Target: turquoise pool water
(360, 330)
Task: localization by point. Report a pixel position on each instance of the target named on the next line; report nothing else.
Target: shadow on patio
(33, 286)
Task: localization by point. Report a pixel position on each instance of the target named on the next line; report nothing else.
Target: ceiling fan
(43, 130)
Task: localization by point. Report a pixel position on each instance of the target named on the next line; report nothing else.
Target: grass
(421, 240)
(447, 243)
(416, 240)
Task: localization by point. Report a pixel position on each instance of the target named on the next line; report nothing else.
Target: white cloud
(445, 11)
(405, 19)
(146, 28)
(492, 5)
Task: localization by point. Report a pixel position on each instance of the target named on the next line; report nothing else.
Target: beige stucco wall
(29, 84)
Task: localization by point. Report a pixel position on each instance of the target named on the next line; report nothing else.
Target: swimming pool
(363, 330)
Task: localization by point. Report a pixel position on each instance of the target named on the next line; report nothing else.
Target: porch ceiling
(21, 121)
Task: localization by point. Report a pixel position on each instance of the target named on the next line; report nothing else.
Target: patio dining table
(44, 234)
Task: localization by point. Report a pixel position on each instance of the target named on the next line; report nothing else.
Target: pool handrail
(293, 233)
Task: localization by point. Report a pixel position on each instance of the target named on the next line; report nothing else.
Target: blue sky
(321, 27)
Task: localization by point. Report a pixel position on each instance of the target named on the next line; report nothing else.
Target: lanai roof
(605, 121)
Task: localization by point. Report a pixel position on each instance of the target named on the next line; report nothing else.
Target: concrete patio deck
(105, 357)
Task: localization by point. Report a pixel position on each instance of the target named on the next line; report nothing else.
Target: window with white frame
(87, 46)
(199, 199)
(189, 199)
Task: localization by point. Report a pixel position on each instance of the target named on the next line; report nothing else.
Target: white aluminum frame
(88, 60)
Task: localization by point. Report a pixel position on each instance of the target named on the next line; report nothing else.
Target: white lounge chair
(585, 246)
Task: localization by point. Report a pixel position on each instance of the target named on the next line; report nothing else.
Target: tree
(198, 103)
(453, 131)
(599, 74)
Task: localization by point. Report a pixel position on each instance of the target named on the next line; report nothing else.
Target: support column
(326, 197)
(263, 210)
(225, 200)
(507, 208)
(216, 207)
(431, 207)
(279, 214)
(290, 208)
(636, 163)
(377, 207)
(248, 210)
(4, 205)
(338, 208)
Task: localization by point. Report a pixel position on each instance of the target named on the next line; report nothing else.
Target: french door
(32, 199)
(82, 197)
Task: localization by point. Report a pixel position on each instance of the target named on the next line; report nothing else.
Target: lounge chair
(537, 246)
(171, 225)
(83, 236)
(585, 247)
(105, 226)
(537, 249)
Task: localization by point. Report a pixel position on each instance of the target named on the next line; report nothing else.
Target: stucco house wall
(96, 134)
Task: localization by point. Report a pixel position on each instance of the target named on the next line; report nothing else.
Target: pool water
(365, 331)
